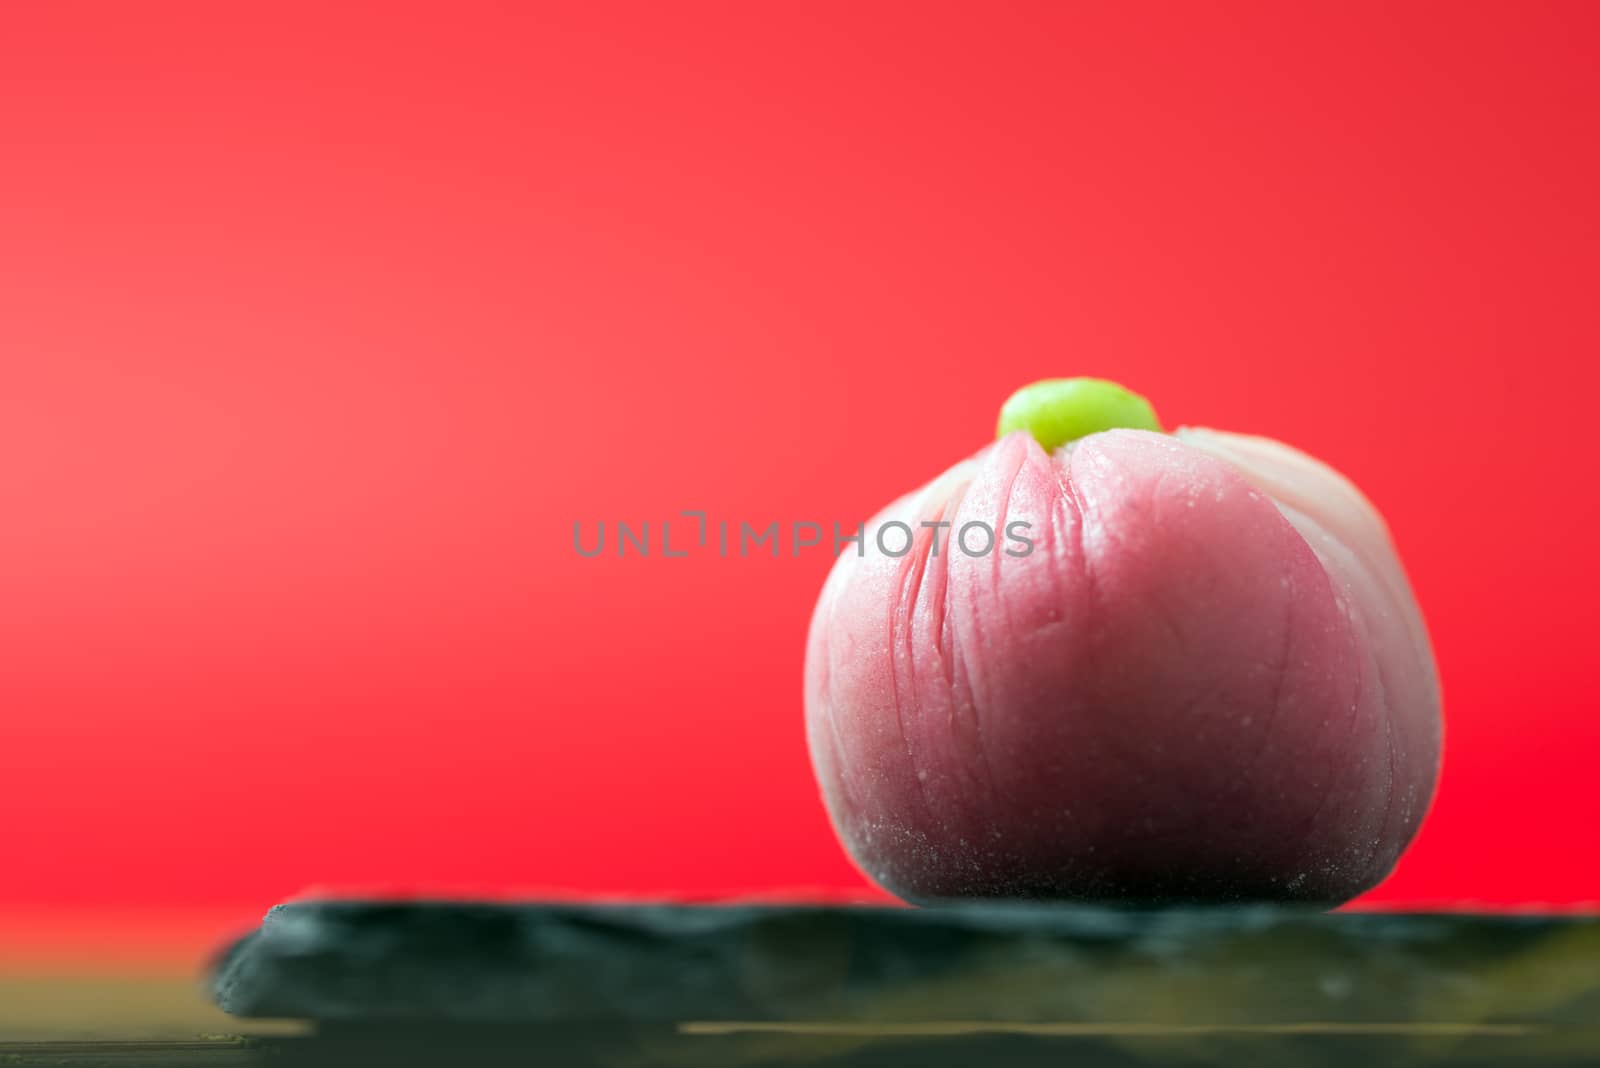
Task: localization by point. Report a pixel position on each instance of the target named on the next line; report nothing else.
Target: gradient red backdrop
(319, 328)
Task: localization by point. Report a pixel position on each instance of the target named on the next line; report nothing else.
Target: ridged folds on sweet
(1208, 680)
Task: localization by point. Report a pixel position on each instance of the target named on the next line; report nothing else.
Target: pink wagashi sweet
(1207, 680)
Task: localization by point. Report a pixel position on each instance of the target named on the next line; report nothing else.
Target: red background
(320, 329)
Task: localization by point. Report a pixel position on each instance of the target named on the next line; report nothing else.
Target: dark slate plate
(825, 981)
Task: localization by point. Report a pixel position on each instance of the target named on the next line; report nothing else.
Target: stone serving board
(659, 983)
